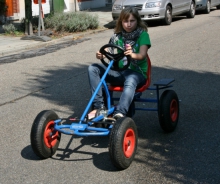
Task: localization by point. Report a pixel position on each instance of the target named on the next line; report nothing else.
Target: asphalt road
(55, 78)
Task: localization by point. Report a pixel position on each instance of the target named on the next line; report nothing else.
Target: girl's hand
(138, 56)
(99, 55)
(129, 50)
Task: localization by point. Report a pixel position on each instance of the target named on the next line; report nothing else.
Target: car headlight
(117, 7)
(153, 5)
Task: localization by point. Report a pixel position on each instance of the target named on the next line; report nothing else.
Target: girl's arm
(137, 56)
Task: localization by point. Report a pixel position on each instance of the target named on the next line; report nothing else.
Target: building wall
(69, 5)
(66, 5)
(73, 5)
(21, 14)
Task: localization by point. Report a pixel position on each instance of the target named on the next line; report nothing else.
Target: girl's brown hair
(124, 15)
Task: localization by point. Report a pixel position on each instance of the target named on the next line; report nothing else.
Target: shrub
(60, 22)
(71, 22)
(9, 28)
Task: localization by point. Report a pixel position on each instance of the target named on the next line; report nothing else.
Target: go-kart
(123, 137)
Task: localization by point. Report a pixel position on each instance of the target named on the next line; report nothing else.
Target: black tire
(218, 7)
(192, 10)
(123, 142)
(131, 110)
(168, 16)
(43, 145)
(207, 8)
(168, 111)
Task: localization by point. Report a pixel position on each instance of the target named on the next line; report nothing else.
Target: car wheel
(192, 10)
(168, 16)
(207, 8)
(218, 7)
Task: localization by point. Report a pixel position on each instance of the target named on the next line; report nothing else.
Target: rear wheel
(168, 16)
(123, 142)
(44, 139)
(218, 7)
(192, 10)
(207, 8)
(168, 111)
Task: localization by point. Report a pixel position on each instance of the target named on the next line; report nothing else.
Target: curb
(74, 36)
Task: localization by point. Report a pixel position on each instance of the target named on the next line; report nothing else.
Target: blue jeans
(127, 78)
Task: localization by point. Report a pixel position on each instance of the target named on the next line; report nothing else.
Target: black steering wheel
(116, 57)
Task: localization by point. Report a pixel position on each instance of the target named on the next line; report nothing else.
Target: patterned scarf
(131, 38)
(128, 38)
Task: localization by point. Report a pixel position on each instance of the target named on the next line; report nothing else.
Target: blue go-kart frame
(47, 127)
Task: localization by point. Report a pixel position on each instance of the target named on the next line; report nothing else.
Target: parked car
(206, 5)
(157, 9)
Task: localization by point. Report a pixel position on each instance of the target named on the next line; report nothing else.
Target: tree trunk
(28, 17)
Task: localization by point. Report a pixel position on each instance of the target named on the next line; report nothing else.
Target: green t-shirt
(140, 66)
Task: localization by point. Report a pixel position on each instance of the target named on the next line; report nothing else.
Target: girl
(131, 34)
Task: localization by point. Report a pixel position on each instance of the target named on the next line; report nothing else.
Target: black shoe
(118, 115)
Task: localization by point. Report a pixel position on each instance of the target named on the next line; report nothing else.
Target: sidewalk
(11, 45)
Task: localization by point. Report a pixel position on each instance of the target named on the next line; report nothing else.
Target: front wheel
(168, 111)
(218, 7)
(123, 142)
(44, 139)
(192, 10)
(168, 16)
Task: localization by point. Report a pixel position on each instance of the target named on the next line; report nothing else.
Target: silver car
(156, 9)
(206, 5)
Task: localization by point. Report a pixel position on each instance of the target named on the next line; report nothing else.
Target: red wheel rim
(50, 139)
(129, 143)
(173, 110)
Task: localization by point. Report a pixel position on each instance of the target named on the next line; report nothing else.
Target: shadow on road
(67, 153)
